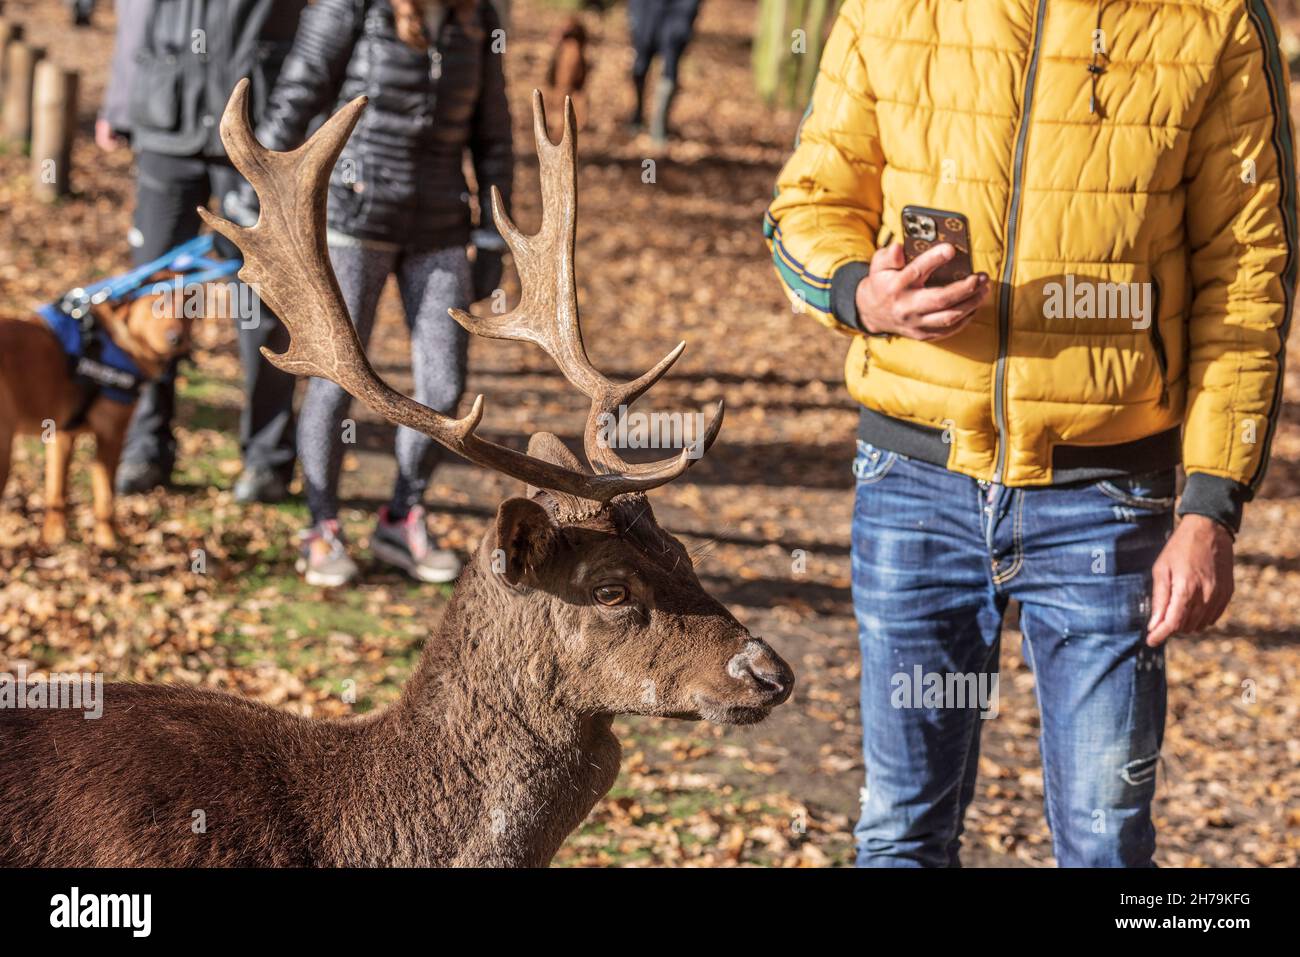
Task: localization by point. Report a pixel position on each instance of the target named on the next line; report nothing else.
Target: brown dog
(40, 396)
(567, 75)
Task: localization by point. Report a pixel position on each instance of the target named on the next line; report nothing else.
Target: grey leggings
(430, 282)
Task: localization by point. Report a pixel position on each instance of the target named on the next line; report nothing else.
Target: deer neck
(485, 709)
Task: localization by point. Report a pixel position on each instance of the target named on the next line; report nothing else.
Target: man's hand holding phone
(894, 299)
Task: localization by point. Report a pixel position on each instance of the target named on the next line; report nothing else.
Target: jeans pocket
(872, 464)
(1152, 491)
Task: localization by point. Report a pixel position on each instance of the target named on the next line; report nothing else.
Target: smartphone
(923, 228)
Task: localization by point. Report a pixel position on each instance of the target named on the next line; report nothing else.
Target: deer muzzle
(762, 673)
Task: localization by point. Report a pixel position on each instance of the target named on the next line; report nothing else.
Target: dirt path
(679, 258)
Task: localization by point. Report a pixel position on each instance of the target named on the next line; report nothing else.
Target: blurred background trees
(788, 40)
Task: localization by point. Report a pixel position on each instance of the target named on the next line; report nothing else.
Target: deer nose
(763, 669)
(174, 338)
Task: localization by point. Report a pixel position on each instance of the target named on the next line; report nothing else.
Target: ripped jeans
(936, 558)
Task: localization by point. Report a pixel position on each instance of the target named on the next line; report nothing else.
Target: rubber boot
(664, 92)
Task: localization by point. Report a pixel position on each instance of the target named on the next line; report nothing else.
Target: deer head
(578, 562)
(629, 628)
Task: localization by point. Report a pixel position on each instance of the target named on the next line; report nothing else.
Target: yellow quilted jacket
(1128, 175)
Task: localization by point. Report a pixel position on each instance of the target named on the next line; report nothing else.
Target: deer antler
(286, 259)
(547, 313)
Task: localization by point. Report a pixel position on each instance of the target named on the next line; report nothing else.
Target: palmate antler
(286, 259)
(547, 313)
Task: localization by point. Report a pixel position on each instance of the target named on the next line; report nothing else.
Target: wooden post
(9, 33)
(54, 123)
(20, 74)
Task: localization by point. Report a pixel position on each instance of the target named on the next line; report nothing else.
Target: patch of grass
(208, 469)
(44, 655)
(294, 629)
(197, 385)
(615, 848)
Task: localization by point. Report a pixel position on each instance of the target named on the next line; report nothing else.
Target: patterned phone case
(924, 227)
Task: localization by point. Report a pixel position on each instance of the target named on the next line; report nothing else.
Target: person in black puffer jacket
(398, 205)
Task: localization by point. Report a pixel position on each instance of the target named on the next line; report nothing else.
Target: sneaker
(136, 478)
(405, 544)
(259, 485)
(323, 558)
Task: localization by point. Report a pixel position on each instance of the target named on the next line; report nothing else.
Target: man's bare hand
(107, 138)
(893, 297)
(1192, 579)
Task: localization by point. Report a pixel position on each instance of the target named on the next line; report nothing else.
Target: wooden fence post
(20, 74)
(9, 33)
(54, 123)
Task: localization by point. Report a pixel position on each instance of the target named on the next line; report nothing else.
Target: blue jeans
(936, 558)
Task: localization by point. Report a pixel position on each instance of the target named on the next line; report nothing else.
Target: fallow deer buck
(577, 607)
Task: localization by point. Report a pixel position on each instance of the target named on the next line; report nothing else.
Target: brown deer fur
(497, 749)
(36, 388)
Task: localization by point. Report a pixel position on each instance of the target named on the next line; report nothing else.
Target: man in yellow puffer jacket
(1127, 173)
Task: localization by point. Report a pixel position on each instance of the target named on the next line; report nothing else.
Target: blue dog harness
(97, 364)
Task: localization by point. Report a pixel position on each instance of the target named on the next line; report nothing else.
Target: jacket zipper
(1008, 264)
(1158, 341)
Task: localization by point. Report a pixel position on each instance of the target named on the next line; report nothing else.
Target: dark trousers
(168, 190)
(660, 28)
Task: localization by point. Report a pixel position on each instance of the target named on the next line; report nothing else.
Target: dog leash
(190, 259)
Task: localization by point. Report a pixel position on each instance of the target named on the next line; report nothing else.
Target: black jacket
(400, 178)
(190, 55)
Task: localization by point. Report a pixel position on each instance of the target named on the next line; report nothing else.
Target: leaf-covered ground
(203, 591)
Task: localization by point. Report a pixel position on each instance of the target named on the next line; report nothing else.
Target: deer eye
(610, 594)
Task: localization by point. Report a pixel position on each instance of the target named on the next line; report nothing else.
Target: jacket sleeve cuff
(1214, 497)
(844, 293)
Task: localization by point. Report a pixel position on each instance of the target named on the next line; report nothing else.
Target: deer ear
(525, 537)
